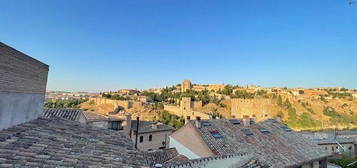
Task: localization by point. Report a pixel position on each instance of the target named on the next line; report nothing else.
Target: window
(113, 125)
(350, 148)
(141, 139)
(333, 149)
(206, 123)
(325, 148)
(216, 135)
(247, 131)
(285, 128)
(234, 122)
(150, 137)
(264, 130)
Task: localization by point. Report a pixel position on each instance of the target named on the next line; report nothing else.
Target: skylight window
(264, 130)
(247, 131)
(273, 120)
(206, 123)
(234, 122)
(216, 135)
(285, 128)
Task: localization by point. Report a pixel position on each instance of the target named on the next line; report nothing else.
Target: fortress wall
(254, 108)
(123, 103)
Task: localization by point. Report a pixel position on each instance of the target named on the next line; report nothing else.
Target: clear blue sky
(107, 45)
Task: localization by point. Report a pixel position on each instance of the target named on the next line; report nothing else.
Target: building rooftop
(68, 114)
(93, 116)
(269, 140)
(57, 142)
(237, 160)
(163, 156)
(147, 126)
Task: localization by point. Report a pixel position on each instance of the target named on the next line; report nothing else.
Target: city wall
(252, 108)
(122, 103)
(185, 113)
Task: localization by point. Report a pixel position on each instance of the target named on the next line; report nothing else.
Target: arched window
(141, 139)
(150, 137)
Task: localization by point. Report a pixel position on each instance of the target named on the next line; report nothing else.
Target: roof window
(234, 122)
(264, 130)
(247, 131)
(216, 135)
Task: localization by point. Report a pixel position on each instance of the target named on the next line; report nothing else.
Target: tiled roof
(56, 142)
(69, 114)
(93, 116)
(237, 160)
(146, 126)
(162, 156)
(279, 147)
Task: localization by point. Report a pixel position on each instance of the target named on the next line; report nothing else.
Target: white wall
(182, 149)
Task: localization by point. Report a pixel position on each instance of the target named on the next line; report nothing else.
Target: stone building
(151, 136)
(23, 83)
(118, 123)
(269, 141)
(188, 105)
(186, 85)
(336, 143)
(258, 109)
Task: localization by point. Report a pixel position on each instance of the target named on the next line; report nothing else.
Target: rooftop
(269, 140)
(147, 126)
(237, 160)
(58, 142)
(68, 114)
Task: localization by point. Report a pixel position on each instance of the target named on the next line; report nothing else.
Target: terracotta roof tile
(56, 142)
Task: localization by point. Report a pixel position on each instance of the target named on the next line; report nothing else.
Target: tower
(186, 85)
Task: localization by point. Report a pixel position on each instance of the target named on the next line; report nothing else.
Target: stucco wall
(16, 108)
(23, 83)
(155, 143)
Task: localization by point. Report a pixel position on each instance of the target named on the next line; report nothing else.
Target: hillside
(301, 109)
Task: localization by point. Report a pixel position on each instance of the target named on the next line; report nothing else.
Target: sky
(93, 45)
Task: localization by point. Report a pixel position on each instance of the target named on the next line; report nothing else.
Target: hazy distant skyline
(108, 45)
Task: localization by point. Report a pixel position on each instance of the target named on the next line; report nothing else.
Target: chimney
(187, 120)
(198, 122)
(245, 121)
(154, 125)
(127, 124)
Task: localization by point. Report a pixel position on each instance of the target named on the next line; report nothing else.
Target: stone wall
(185, 113)
(23, 83)
(123, 103)
(252, 108)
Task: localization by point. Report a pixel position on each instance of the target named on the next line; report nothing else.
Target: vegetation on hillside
(63, 103)
(169, 119)
(115, 97)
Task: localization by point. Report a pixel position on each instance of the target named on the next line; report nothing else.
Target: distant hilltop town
(300, 108)
(182, 126)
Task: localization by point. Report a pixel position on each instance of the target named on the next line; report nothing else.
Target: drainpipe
(137, 132)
